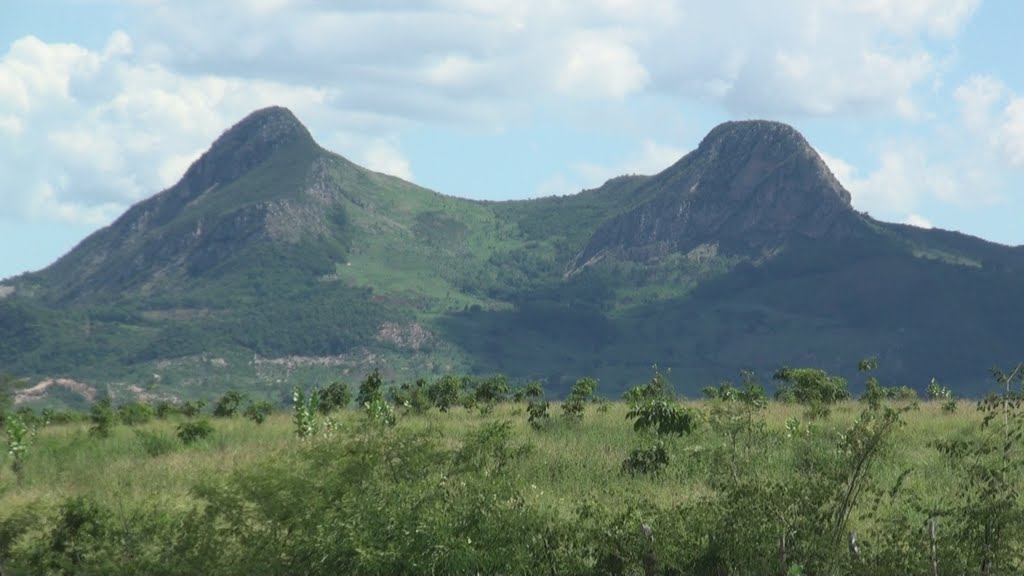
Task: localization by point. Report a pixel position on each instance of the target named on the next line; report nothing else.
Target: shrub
(135, 413)
(813, 388)
(103, 419)
(414, 396)
(370, 388)
(582, 392)
(445, 392)
(651, 460)
(258, 411)
(663, 417)
(228, 405)
(493, 389)
(194, 431)
(165, 409)
(304, 413)
(192, 408)
(936, 391)
(336, 396)
(380, 412)
(659, 388)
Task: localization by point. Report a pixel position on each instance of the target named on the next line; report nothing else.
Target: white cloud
(917, 220)
(976, 98)
(601, 65)
(382, 156)
(908, 179)
(650, 159)
(1011, 131)
(103, 126)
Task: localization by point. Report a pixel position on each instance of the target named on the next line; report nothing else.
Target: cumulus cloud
(99, 127)
(385, 157)
(917, 220)
(651, 158)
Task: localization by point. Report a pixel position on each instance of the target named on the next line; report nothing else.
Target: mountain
(274, 262)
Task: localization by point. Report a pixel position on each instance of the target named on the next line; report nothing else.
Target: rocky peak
(748, 188)
(245, 145)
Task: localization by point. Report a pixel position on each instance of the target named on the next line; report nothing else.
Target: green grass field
(470, 491)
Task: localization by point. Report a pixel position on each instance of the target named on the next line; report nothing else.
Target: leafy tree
(228, 405)
(164, 409)
(258, 411)
(445, 392)
(193, 431)
(659, 388)
(812, 387)
(20, 436)
(304, 413)
(491, 390)
(537, 406)
(335, 396)
(371, 388)
(103, 418)
(135, 413)
(414, 396)
(192, 408)
(582, 392)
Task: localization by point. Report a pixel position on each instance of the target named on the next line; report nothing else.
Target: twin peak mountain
(745, 253)
(748, 188)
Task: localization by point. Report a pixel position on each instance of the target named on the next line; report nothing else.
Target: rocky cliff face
(172, 233)
(748, 188)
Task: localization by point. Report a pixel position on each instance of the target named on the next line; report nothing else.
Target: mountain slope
(275, 262)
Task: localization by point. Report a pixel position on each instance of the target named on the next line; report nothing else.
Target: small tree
(336, 396)
(582, 392)
(103, 418)
(19, 437)
(135, 413)
(194, 431)
(659, 388)
(258, 411)
(192, 408)
(371, 388)
(445, 392)
(812, 387)
(413, 397)
(304, 413)
(228, 405)
(491, 390)
(537, 406)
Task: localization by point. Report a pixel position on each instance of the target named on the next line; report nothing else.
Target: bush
(192, 432)
(370, 389)
(103, 419)
(336, 396)
(659, 388)
(165, 409)
(192, 408)
(491, 390)
(135, 413)
(651, 460)
(258, 411)
(445, 392)
(414, 397)
(228, 405)
(582, 392)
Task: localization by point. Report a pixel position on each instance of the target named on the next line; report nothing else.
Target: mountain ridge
(745, 253)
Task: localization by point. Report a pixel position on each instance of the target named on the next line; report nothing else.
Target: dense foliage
(731, 485)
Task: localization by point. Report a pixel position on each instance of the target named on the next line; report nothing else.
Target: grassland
(468, 490)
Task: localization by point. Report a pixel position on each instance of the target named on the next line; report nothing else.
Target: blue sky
(916, 105)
